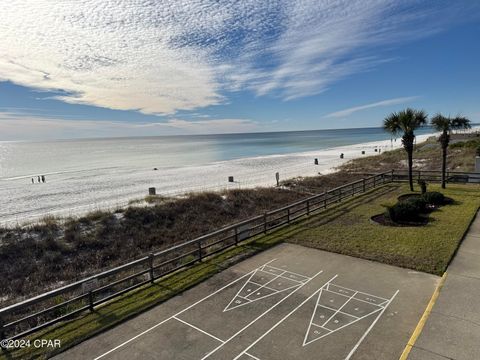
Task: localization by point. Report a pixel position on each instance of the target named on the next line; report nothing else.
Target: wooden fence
(29, 316)
(436, 176)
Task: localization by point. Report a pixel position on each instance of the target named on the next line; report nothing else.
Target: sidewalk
(452, 330)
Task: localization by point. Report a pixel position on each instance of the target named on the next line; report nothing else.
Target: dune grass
(426, 156)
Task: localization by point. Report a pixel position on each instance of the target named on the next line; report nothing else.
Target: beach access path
(452, 330)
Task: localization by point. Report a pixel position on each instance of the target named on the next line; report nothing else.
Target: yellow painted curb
(423, 319)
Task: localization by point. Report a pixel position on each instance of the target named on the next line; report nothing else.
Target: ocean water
(88, 174)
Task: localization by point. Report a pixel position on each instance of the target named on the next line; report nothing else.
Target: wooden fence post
(2, 330)
(236, 236)
(90, 300)
(392, 175)
(150, 262)
(353, 189)
(374, 182)
(288, 215)
(325, 200)
(363, 185)
(199, 244)
(264, 223)
(308, 208)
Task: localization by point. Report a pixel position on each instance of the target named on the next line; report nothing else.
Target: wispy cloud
(24, 126)
(160, 56)
(389, 102)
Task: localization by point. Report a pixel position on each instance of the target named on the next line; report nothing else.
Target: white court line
(281, 320)
(283, 277)
(340, 312)
(370, 328)
(360, 292)
(253, 357)
(300, 282)
(269, 288)
(343, 326)
(198, 329)
(339, 309)
(255, 283)
(239, 291)
(249, 301)
(260, 316)
(187, 308)
(291, 272)
(261, 298)
(380, 309)
(382, 304)
(264, 286)
(314, 311)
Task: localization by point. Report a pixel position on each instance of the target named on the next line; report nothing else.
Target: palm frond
(461, 122)
(392, 123)
(441, 123)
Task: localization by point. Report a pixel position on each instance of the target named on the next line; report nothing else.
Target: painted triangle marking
(260, 294)
(326, 320)
(231, 304)
(258, 290)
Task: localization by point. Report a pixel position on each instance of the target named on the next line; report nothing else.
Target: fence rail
(436, 176)
(31, 315)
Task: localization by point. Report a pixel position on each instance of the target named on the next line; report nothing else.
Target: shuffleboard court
(289, 302)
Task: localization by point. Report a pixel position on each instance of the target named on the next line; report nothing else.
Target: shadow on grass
(332, 214)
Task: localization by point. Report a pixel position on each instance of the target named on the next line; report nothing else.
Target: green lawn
(348, 229)
(345, 228)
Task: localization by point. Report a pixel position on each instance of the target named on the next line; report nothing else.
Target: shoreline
(248, 173)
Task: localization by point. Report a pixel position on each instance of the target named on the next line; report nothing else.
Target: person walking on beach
(38, 178)
(33, 181)
(43, 178)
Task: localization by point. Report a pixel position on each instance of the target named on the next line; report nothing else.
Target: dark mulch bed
(381, 219)
(405, 197)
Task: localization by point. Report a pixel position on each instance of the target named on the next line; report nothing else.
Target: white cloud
(23, 126)
(326, 41)
(389, 102)
(159, 56)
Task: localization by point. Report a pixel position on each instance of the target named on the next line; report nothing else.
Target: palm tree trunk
(410, 168)
(444, 165)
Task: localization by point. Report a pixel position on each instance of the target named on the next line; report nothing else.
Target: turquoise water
(25, 159)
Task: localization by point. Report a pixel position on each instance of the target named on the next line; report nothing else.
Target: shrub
(434, 198)
(408, 210)
(419, 204)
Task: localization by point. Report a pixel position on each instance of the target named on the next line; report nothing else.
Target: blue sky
(90, 68)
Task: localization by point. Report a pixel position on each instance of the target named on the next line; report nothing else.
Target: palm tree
(406, 122)
(446, 125)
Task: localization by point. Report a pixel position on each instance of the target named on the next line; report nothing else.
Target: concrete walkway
(452, 330)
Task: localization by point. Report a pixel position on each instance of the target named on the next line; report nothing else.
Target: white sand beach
(75, 193)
